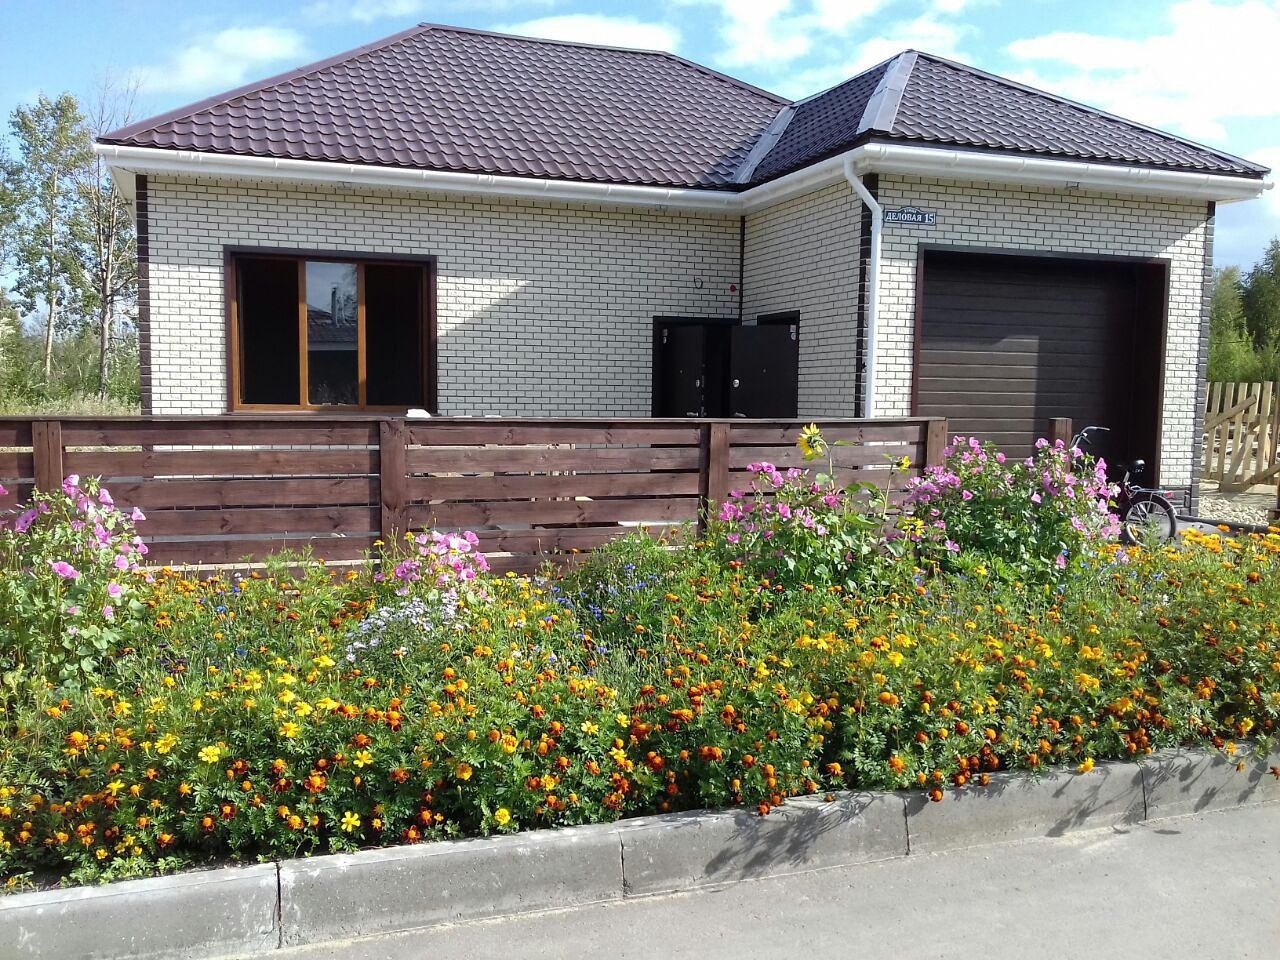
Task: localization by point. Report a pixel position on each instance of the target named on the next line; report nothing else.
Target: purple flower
(137, 515)
(114, 590)
(122, 562)
(24, 521)
(104, 498)
(952, 546)
(71, 484)
(64, 570)
(108, 612)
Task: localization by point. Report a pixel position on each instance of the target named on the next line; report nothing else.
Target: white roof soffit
(965, 165)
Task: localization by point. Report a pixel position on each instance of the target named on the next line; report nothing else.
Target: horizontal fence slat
(432, 434)
(560, 538)
(892, 432)
(579, 484)
(220, 433)
(457, 514)
(222, 463)
(227, 550)
(16, 465)
(298, 520)
(284, 492)
(860, 456)
(541, 459)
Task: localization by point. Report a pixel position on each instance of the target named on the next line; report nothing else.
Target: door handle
(737, 383)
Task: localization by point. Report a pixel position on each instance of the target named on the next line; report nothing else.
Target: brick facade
(546, 309)
(543, 309)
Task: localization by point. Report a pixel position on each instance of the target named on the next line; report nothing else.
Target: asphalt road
(1205, 887)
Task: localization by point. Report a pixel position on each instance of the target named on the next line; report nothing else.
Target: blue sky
(1206, 69)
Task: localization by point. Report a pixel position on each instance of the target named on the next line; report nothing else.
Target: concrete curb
(246, 911)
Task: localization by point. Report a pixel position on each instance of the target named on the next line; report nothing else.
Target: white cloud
(226, 59)
(370, 11)
(923, 33)
(772, 34)
(1214, 62)
(601, 29)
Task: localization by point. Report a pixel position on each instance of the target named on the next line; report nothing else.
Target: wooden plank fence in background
(221, 490)
(1241, 434)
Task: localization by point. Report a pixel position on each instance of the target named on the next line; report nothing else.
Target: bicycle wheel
(1150, 518)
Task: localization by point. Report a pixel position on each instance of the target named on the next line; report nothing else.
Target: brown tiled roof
(446, 98)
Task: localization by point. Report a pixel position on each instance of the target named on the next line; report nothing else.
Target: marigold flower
(350, 821)
(211, 754)
(502, 816)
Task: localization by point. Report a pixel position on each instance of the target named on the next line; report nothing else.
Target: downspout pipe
(873, 284)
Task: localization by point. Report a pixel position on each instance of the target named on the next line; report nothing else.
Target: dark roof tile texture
(820, 126)
(446, 98)
(442, 98)
(948, 103)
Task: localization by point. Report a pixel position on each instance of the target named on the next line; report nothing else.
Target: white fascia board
(970, 165)
(149, 160)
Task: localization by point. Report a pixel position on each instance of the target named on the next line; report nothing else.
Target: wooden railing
(1241, 434)
(219, 490)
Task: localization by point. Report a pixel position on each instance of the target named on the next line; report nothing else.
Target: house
(479, 224)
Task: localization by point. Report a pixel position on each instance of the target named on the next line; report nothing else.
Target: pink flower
(104, 498)
(64, 570)
(71, 484)
(137, 515)
(108, 612)
(122, 562)
(24, 521)
(966, 495)
(114, 590)
(1061, 562)
(3, 490)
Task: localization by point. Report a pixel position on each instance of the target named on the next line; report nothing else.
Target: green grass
(80, 406)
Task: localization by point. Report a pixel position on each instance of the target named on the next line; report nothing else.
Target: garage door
(1009, 342)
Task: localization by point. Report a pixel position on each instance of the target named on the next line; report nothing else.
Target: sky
(1208, 70)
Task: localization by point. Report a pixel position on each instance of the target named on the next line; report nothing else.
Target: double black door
(725, 370)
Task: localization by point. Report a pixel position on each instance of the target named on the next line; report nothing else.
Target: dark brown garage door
(1009, 342)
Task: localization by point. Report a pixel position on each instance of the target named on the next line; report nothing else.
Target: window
(327, 332)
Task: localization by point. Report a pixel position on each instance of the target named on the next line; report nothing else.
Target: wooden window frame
(234, 359)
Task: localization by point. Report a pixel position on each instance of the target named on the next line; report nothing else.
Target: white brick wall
(1032, 218)
(802, 254)
(544, 309)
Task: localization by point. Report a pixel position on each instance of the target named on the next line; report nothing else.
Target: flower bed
(153, 721)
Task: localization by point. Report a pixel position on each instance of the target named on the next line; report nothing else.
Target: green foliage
(1030, 520)
(293, 711)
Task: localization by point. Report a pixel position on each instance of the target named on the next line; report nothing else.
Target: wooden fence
(1241, 434)
(220, 490)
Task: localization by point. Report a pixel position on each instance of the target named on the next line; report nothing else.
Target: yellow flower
(210, 754)
(502, 816)
(589, 728)
(464, 771)
(810, 442)
(350, 821)
(1086, 766)
(289, 729)
(166, 743)
(324, 661)
(362, 758)
(115, 786)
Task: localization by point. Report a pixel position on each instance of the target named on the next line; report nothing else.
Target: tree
(1232, 354)
(53, 147)
(1261, 298)
(108, 252)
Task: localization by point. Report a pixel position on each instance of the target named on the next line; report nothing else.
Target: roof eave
(872, 157)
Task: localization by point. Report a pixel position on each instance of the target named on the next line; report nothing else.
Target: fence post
(1060, 429)
(46, 450)
(715, 469)
(935, 440)
(392, 470)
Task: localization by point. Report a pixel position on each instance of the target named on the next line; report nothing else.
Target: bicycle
(1146, 514)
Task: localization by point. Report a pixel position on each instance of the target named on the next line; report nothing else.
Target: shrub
(65, 565)
(800, 528)
(1027, 518)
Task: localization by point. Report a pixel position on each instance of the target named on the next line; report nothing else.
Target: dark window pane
(333, 369)
(268, 314)
(393, 297)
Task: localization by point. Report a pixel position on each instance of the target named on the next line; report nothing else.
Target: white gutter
(871, 157)
(873, 285)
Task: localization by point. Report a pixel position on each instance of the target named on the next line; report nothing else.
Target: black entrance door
(764, 371)
(679, 370)
(718, 370)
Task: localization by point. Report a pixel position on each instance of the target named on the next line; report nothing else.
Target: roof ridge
(227, 96)
(582, 44)
(881, 111)
(767, 140)
(1094, 111)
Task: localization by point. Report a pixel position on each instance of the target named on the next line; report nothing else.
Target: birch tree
(108, 251)
(53, 148)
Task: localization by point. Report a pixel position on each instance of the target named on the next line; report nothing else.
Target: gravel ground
(1244, 507)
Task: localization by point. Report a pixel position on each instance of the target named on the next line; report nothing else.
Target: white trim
(868, 158)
